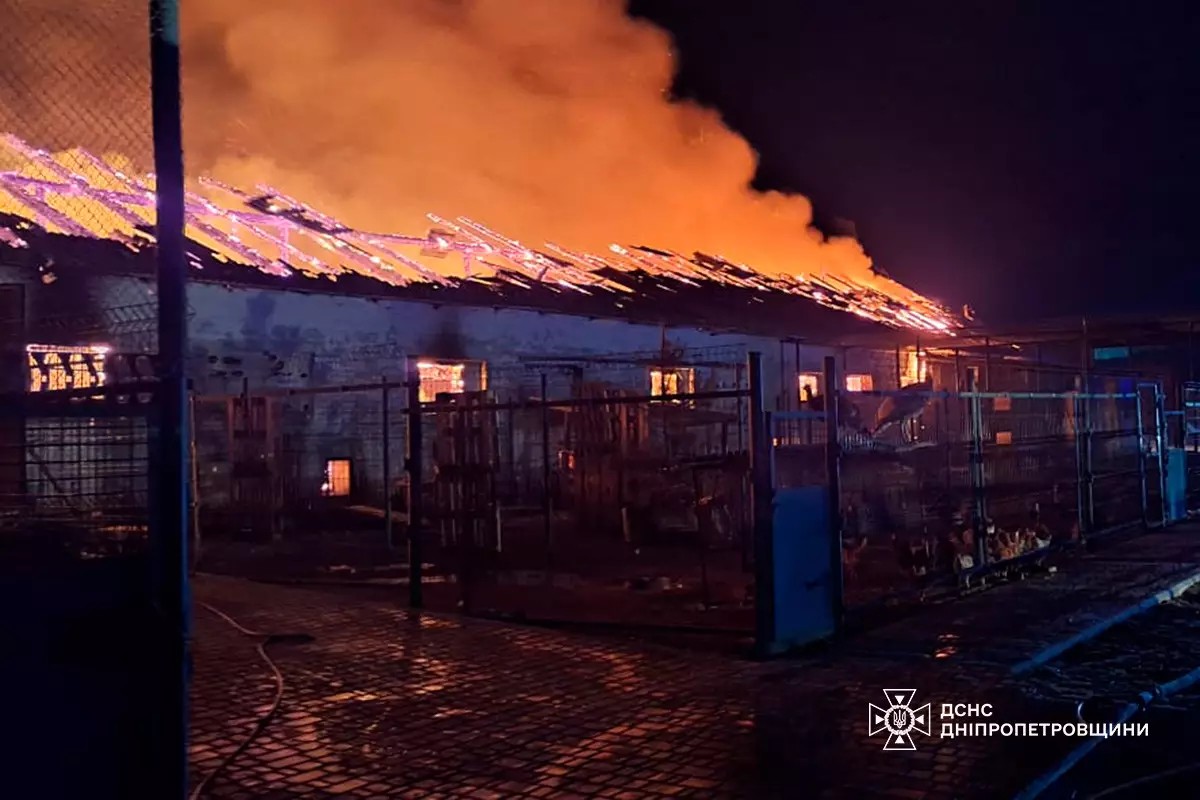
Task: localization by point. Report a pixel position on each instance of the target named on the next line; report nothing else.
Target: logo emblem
(899, 719)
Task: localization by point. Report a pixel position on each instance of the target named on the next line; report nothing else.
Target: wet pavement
(388, 703)
(1150, 650)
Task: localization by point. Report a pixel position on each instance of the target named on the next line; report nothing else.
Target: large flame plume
(549, 119)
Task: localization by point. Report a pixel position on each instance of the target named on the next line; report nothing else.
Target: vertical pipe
(1141, 439)
(741, 415)
(1161, 442)
(898, 379)
(168, 535)
(783, 401)
(194, 480)
(1191, 352)
(833, 477)
(385, 415)
(415, 463)
(760, 498)
(795, 390)
(978, 507)
(1085, 358)
(987, 364)
(547, 510)
(957, 370)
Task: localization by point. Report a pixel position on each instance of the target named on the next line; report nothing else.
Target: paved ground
(385, 703)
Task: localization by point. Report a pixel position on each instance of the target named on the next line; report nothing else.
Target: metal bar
(1141, 438)
(978, 508)
(414, 465)
(168, 533)
(1161, 441)
(987, 365)
(591, 402)
(385, 420)
(833, 460)
(760, 498)
(547, 510)
(305, 390)
(194, 476)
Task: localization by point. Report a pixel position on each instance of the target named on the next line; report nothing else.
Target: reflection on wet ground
(384, 703)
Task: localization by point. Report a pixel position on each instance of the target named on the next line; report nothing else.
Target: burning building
(284, 297)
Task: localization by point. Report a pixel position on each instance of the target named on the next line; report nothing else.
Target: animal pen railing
(74, 471)
(939, 486)
(587, 492)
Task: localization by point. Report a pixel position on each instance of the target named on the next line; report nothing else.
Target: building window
(672, 382)
(859, 383)
(441, 378)
(337, 478)
(914, 367)
(809, 385)
(56, 367)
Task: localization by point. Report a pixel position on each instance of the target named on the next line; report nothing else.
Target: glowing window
(58, 367)
(672, 382)
(337, 478)
(914, 367)
(441, 378)
(859, 383)
(808, 384)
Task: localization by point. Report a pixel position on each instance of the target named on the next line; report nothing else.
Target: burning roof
(79, 194)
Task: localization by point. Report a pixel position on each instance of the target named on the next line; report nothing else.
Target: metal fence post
(1089, 478)
(978, 505)
(168, 533)
(1141, 440)
(414, 465)
(833, 477)
(547, 503)
(760, 498)
(385, 418)
(1161, 446)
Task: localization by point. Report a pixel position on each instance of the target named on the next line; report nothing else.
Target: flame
(541, 116)
(79, 194)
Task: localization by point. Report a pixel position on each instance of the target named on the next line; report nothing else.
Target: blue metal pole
(169, 525)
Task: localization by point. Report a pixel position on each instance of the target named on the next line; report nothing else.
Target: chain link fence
(592, 489)
(939, 486)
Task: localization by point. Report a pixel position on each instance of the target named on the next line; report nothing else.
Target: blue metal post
(978, 506)
(414, 465)
(1141, 445)
(760, 499)
(168, 531)
(833, 460)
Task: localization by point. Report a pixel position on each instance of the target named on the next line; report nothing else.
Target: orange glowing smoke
(549, 119)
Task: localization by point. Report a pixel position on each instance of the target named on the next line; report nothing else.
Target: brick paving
(388, 703)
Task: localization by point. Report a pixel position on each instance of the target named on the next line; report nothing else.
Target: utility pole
(169, 521)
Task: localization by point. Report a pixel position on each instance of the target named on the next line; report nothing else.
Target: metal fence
(1187, 437)
(75, 471)
(939, 486)
(591, 489)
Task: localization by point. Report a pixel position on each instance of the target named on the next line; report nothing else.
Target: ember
(80, 194)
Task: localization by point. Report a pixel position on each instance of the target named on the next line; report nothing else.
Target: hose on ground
(264, 641)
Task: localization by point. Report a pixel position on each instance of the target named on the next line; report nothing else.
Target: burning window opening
(672, 381)
(859, 383)
(337, 478)
(79, 194)
(914, 367)
(809, 385)
(441, 378)
(59, 367)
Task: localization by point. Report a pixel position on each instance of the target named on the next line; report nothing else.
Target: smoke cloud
(545, 119)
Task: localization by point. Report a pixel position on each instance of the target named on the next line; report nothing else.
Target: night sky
(1030, 158)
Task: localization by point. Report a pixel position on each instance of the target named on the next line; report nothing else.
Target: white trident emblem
(899, 719)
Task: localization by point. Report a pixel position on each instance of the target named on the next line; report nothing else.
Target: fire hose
(265, 641)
